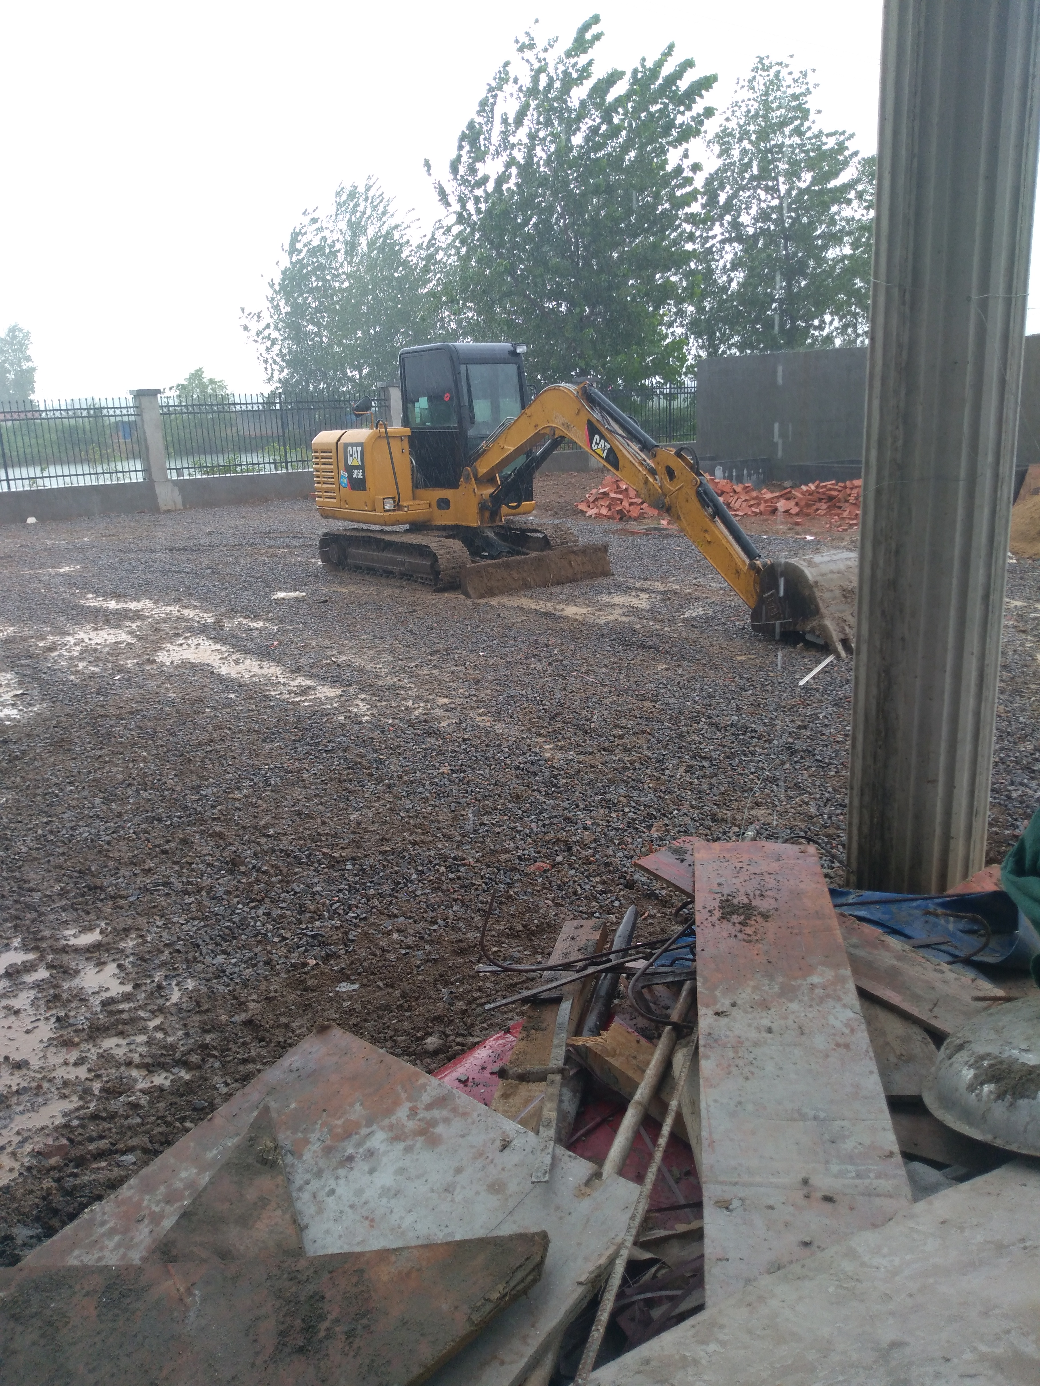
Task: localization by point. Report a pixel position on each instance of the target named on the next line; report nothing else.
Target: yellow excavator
(441, 499)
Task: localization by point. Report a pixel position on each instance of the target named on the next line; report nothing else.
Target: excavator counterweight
(442, 499)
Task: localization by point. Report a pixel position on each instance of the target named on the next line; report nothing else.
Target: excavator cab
(454, 397)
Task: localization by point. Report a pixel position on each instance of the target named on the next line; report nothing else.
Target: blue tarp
(960, 920)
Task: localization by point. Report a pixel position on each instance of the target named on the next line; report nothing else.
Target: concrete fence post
(153, 448)
(957, 154)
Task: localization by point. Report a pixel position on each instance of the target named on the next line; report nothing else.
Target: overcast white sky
(157, 157)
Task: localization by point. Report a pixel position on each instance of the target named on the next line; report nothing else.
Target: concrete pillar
(150, 434)
(957, 153)
(388, 403)
(153, 448)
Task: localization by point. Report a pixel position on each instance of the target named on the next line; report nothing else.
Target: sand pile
(1025, 525)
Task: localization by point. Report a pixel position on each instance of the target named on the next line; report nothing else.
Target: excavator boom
(815, 596)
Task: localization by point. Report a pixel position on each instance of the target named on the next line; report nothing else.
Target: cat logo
(599, 445)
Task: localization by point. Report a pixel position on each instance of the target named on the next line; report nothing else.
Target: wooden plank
(902, 1050)
(522, 1102)
(798, 1150)
(690, 1105)
(619, 1058)
(935, 995)
(944, 1295)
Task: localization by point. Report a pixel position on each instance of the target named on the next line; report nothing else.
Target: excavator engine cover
(814, 595)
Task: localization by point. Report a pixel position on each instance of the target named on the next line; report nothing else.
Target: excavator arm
(669, 479)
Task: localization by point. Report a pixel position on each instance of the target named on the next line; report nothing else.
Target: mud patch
(1008, 1079)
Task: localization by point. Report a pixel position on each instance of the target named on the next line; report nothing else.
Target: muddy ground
(242, 796)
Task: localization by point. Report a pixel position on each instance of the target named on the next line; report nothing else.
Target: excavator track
(534, 556)
(436, 562)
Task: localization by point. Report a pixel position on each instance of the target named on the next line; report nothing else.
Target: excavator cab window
(493, 398)
(429, 392)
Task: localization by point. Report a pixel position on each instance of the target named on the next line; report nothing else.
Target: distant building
(796, 416)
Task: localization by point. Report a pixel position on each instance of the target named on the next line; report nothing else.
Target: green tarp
(1020, 877)
(1020, 874)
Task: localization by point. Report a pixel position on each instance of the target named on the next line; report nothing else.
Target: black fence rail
(668, 414)
(246, 433)
(96, 441)
(72, 443)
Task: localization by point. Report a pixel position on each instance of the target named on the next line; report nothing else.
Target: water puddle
(75, 940)
(15, 701)
(23, 1035)
(13, 955)
(103, 979)
(244, 669)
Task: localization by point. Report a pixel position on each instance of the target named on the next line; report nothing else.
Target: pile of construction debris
(837, 502)
(619, 1174)
(616, 500)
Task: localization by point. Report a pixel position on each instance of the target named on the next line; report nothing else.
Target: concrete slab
(378, 1154)
(798, 1151)
(946, 1292)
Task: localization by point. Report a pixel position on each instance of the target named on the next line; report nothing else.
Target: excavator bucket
(814, 595)
(572, 563)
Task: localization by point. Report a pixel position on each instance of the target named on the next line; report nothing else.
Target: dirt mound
(1025, 527)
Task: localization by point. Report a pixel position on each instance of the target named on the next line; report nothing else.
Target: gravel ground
(296, 804)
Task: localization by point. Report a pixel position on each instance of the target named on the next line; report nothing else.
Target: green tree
(786, 231)
(354, 289)
(17, 372)
(569, 213)
(200, 388)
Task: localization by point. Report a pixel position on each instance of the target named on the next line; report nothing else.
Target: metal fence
(246, 433)
(95, 441)
(668, 414)
(77, 442)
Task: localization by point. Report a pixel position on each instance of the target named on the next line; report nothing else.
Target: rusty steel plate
(378, 1154)
(356, 1319)
(672, 864)
(797, 1145)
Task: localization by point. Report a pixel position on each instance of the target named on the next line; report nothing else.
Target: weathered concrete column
(150, 434)
(957, 153)
(153, 448)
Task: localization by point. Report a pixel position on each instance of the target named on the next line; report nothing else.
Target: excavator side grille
(326, 483)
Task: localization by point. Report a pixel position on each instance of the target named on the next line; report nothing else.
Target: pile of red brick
(837, 502)
(616, 500)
